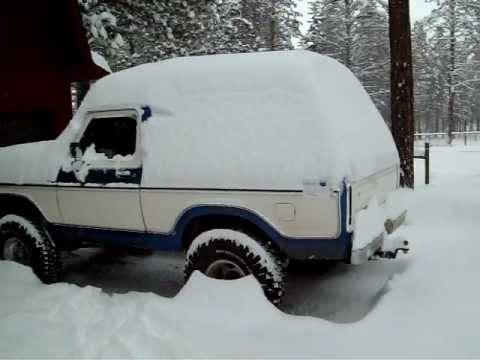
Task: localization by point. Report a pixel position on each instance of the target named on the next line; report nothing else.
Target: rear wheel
(229, 255)
(26, 242)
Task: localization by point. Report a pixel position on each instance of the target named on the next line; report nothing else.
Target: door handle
(123, 172)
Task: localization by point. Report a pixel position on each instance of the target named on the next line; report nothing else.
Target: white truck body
(289, 142)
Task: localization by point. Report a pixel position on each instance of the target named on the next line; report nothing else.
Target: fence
(440, 138)
(423, 141)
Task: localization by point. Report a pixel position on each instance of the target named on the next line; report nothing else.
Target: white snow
(100, 61)
(271, 120)
(264, 120)
(396, 202)
(91, 159)
(91, 155)
(33, 163)
(25, 224)
(424, 304)
(369, 224)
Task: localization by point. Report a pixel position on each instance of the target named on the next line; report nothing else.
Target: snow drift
(66, 321)
(264, 120)
(428, 308)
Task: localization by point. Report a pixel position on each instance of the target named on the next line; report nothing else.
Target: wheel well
(209, 222)
(19, 205)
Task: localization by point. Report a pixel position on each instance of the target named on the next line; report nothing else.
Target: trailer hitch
(392, 246)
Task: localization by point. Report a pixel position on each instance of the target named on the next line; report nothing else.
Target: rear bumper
(376, 247)
(364, 254)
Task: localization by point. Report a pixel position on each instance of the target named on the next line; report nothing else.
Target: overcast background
(418, 9)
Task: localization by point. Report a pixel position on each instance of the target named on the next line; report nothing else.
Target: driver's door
(101, 189)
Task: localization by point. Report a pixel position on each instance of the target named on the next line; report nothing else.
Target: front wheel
(228, 255)
(26, 242)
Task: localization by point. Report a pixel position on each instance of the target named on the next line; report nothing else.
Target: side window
(111, 136)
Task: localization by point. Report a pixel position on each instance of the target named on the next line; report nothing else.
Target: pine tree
(274, 23)
(355, 32)
(453, 33)
(475, 102)
(402, 87)
(150, 30)
(332, 29)
(372, 54)
(101, 26)
(422, 74)
(284, 25)
(238, 33)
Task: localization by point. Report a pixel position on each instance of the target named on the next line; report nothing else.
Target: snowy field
(425, 304)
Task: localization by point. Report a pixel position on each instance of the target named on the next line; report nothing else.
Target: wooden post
(427, 163)
(402, 86)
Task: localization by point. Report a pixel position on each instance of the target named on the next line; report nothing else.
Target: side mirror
(75, 151)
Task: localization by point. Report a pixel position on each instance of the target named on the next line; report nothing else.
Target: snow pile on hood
(263, 120)
(32, 163)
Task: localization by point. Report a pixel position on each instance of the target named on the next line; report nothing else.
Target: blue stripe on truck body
(296, 248)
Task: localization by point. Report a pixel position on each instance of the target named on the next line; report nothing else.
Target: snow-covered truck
(243, 161)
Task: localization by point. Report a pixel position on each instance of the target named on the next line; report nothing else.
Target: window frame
(136, 160)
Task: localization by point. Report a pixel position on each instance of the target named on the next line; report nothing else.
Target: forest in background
(355, 32)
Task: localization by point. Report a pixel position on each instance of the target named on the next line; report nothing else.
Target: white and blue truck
(242, 161)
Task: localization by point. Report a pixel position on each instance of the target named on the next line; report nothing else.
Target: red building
(43, 50)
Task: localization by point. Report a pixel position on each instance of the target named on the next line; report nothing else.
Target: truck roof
(269, 120)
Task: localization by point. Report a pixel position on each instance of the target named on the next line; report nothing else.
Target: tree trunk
(348, 33)
(451, 114)
(402, 87)
(452, 68)
(273, 26)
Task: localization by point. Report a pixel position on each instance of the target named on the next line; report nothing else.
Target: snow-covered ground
(425, 304)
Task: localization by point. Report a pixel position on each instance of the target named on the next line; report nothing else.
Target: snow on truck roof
(272, 120)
